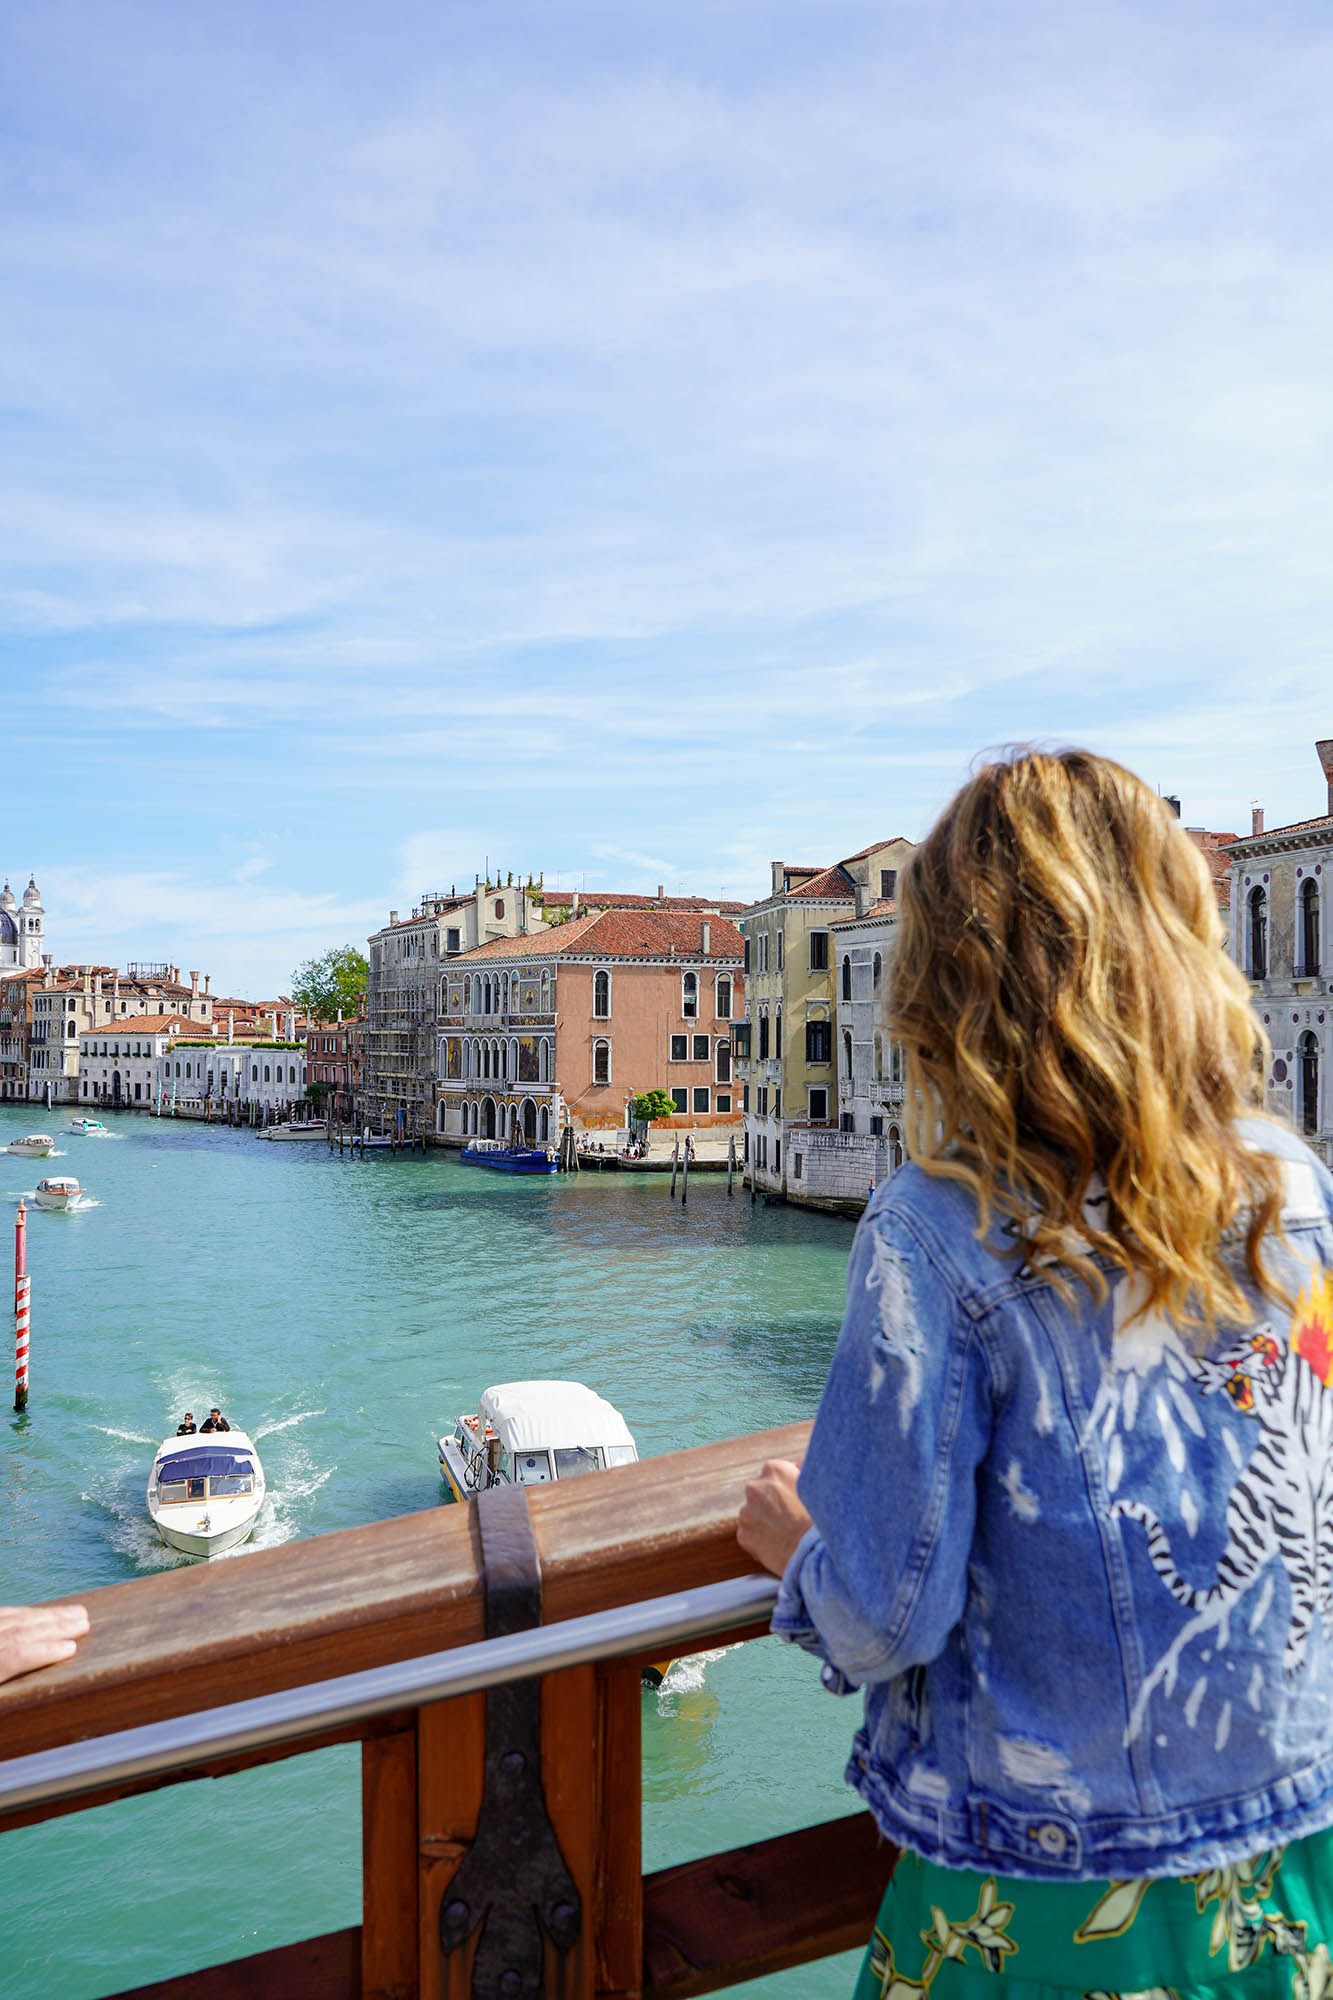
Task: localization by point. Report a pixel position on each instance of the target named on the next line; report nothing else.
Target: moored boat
(502, 1159)
(205, 1492)
(60, 1191)
(34, 1146)
(91, 1128)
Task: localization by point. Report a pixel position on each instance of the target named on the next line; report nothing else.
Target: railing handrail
(188, 1639)
(234, 1728)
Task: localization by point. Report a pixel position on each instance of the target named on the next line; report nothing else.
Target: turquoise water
(344, 1312)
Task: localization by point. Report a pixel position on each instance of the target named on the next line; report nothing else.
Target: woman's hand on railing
(772, 1519)
(38, 1636)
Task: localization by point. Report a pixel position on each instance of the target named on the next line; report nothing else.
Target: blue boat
(508, 1159)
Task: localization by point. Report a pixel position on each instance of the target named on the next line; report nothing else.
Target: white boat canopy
(535, 1416)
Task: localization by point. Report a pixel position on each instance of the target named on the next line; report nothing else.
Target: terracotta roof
(1297, 826)
(616, 899)
(144, 1024)
(886, 907)
(630, 933)
(895, 840)
(833, 882)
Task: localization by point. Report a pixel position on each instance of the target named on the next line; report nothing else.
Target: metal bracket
(513, 1883)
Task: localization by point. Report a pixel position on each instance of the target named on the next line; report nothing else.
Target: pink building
(568, 1025)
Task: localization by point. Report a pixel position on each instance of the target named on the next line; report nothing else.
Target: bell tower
(31, 924)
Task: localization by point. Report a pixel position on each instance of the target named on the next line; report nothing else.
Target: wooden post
(685, 1174)
(389, 1919)
(731, 1160)
(22, 1286)
(675, 1161)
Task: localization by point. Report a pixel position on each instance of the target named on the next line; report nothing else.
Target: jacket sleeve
(889, 1480)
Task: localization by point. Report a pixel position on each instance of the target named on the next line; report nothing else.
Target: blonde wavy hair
(1067, 1011)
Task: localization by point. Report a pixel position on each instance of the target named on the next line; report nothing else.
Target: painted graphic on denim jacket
(1104, 1940)
(1282, 1502)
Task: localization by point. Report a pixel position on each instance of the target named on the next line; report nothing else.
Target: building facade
(1282, 939)
(567, 1026)
(22, 930)
(120, 1063)
(70, 998)
(788, 1049)
(199, 1077)
(398, 1064)
(333, 1064)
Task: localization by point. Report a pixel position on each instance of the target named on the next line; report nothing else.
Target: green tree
(651, 1107)
(337, 980)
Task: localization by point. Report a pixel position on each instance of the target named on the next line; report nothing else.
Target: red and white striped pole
(22, 1284)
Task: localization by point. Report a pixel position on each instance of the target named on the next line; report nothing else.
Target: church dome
(9, 936)
(31, 899)
(6, 898)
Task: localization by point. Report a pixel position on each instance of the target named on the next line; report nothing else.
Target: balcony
(376, 1636)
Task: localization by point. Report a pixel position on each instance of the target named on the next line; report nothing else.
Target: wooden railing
(185, 1641)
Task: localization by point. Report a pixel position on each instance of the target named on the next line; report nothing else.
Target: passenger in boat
(1066, 1514)
(188, 1428)
(215, 1421)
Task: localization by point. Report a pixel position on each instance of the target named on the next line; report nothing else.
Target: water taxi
(35, 1146)
(532, 1434)
(91, 1128)
(502, 1159)
(205, 1492)
(61, 1191)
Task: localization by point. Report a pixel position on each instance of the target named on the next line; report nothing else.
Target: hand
(772, 1519)
(38, 1636)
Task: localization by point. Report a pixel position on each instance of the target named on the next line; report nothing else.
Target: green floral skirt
(1260, 1928)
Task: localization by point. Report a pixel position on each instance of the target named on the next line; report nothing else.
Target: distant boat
(61, 1191)
(502, 1159)
(205, 1492)
(91, 1128)
(34, 1147)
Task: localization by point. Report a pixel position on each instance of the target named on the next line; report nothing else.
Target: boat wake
(285, 1424)
(130, 1437)
(131, 1533)
(687, 1675)
(283, 1516)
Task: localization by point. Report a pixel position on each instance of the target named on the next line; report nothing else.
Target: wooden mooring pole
(22, 1287)
(675, 1162)
(685, 1175)
(731, 1160)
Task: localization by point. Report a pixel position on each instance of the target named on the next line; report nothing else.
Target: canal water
(344, 1312)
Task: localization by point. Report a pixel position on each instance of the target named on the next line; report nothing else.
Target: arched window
(1258, 915)
(896, 1063)
(601, 1062)
(178, 1069)
(846, 978)
(723, 1070)
(601, 996)
(689, 995)
(499, 909)
(1307, 1064)
(267, 1077)
(1309, 926)
(777, 1031)
(847, 1054)
(763, 1034)
(467, 995)
(724, 998)
(546, 992)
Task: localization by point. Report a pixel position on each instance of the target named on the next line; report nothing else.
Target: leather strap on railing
(513, 1883)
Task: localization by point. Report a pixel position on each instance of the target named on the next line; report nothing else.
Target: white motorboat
(61, 1191)
(530, 1434)
(533, 1434)
(35, 1146)
(205, 1492)
(91, 1128)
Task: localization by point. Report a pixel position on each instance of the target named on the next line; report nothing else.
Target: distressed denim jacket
(1085, 1578)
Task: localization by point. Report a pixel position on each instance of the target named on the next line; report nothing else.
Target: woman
(1067, 1511)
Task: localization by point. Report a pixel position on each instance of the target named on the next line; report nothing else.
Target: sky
(634, 443)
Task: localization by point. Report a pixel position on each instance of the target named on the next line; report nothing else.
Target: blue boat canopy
(203, 1465)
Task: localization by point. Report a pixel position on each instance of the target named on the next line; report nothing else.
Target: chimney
(574, 906)
(705, 934)
(208, 981)
(862, 898)
(97, 984)
(1324, 751)
(393, 916)
(778, 872)
(1256, 820)
(1174, 803)
(659, 892)
(231, 1027)
(194, 984)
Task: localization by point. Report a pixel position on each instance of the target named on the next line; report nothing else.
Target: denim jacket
(1084, 1576)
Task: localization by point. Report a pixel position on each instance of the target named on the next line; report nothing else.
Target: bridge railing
(380, 1635)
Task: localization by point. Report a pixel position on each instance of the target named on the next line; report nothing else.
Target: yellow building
(787, 1047)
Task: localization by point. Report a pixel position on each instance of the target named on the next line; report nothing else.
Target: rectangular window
(777, 1156)
(777, 1103)
(847, 1123)
(796, 1165)
(740, 1040)
(763, 1037)
(745, 1097)
(761, 1100)
(451, 940)
(680, 1100)
(679, 1047)
(818, 1104)
(723, 1100)
(746, 961)
(819, 951)
(779, 938)
(877, 1128)
(701, 1097)
(888, 883)
(699, 1052)
(818, 1042)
